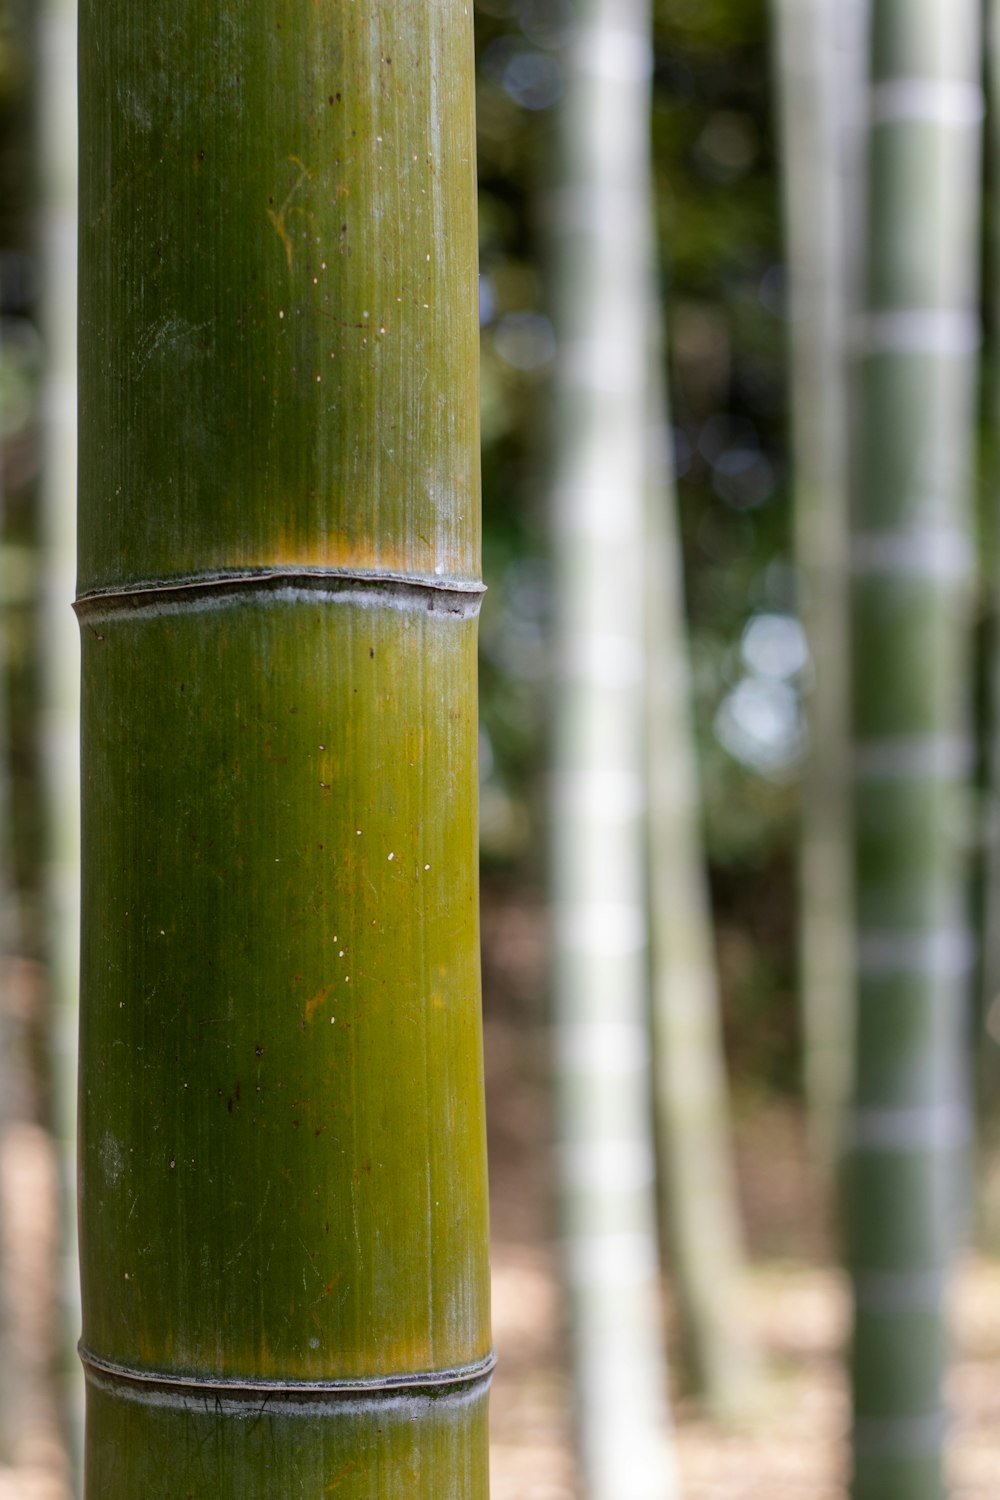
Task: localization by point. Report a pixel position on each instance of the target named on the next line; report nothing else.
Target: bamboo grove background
(738, 321)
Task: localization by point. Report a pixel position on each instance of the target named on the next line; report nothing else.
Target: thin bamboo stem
(819, 72)
(60, 728)
(699, 1213)
(600, 245)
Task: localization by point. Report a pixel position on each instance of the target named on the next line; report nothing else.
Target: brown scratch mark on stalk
(316, 1001)
(278, 219)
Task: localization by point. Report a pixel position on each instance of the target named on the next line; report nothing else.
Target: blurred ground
(792, 1447)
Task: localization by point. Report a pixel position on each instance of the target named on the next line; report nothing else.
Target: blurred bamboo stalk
(27, 1417)
(699, 1211)
(600, 241)
(60, 730)
(819, 75)
(8, 1045)
(988, 1041)
(912, 562)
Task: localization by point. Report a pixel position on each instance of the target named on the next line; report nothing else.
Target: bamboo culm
(599, 248)
(912, 557)
(699, 1209)
(283, 1213)
(61, 690)
(819, 68)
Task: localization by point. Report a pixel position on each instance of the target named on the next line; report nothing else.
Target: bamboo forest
(500, 749)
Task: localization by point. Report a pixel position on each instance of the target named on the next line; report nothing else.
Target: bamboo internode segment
(910, 584)
(283, 1187)
(279, 243)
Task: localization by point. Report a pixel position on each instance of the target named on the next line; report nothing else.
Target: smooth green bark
(911, 560)
(282, 1155)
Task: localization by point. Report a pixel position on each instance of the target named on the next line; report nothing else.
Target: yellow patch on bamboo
(338, 550)
(315, 1001)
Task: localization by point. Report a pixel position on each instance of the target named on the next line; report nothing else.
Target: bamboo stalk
(282, 1159)
(600, 246)
(60, 727)
(912, 558)
(819, 67)
(699, 1211)
(988, 906)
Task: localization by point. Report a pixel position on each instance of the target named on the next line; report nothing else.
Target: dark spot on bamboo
(259, 1051)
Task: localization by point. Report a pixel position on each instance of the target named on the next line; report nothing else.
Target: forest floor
(791, 1446)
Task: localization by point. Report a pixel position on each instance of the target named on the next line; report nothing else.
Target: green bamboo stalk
(911, 560)
(988, 1077)
(819, 74)
(60, 733)
(699, 1214)
(600, 248)
(282, 1148)
(9, 1414)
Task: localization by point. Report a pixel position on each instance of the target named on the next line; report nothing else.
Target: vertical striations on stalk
(600, 238)
(282, 1154)
(911, 567)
